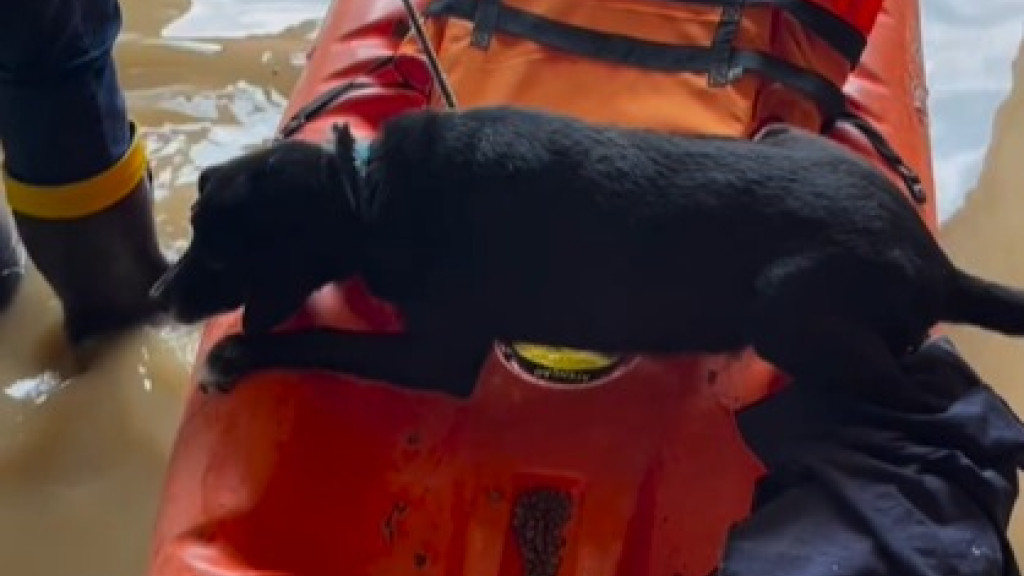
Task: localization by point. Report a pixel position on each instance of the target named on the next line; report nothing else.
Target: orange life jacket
(701, 66)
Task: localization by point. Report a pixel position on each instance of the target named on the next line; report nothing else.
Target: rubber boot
(95, 243)
(12, 261)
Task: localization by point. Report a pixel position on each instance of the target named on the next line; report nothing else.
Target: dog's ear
(344, 148)
(344, 140)
(275, 295)
(345, 162)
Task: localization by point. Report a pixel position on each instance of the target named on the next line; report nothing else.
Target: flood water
(82, 455)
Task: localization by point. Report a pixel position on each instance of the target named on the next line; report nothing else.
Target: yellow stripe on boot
(85, 197)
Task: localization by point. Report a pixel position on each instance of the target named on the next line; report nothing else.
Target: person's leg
(861, 490)
(75, 172)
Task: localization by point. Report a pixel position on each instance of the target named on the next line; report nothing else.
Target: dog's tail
(986, 304)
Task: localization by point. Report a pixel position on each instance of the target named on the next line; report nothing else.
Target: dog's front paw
(228, 361)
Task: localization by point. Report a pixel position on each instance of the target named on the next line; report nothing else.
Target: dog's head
(268, 228)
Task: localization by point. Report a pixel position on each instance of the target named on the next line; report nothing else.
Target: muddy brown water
(82, 454)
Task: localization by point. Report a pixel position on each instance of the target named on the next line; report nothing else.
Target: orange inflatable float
(563, 462)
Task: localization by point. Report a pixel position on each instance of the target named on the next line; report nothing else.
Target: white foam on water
(231, 19)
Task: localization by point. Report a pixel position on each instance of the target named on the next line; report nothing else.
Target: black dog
(503, 223)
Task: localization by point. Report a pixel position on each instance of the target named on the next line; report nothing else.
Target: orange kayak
(639, 470)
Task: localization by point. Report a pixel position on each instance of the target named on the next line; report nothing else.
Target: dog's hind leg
(441, 364)
(812, 322)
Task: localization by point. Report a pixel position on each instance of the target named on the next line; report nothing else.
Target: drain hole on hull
(539, 519)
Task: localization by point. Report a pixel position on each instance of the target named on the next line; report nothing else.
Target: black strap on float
(328, 98)
(491, 16)
(846, 39)
(485, 22)
(885, 150)
(440, 79)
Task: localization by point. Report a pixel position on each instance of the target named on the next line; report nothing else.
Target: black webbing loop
(723, 71)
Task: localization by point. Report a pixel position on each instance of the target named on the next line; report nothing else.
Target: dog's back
(537, 169)
(509, 204)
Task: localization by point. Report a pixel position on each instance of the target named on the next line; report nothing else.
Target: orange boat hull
(644, 473)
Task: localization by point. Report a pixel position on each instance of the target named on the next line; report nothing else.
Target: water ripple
(227, 19)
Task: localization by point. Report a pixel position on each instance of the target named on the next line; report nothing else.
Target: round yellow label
(559, 364)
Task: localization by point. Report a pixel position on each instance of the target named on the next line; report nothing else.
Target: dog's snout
(194, 289)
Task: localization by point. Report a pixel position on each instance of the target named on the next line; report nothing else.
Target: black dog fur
(506, 223)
